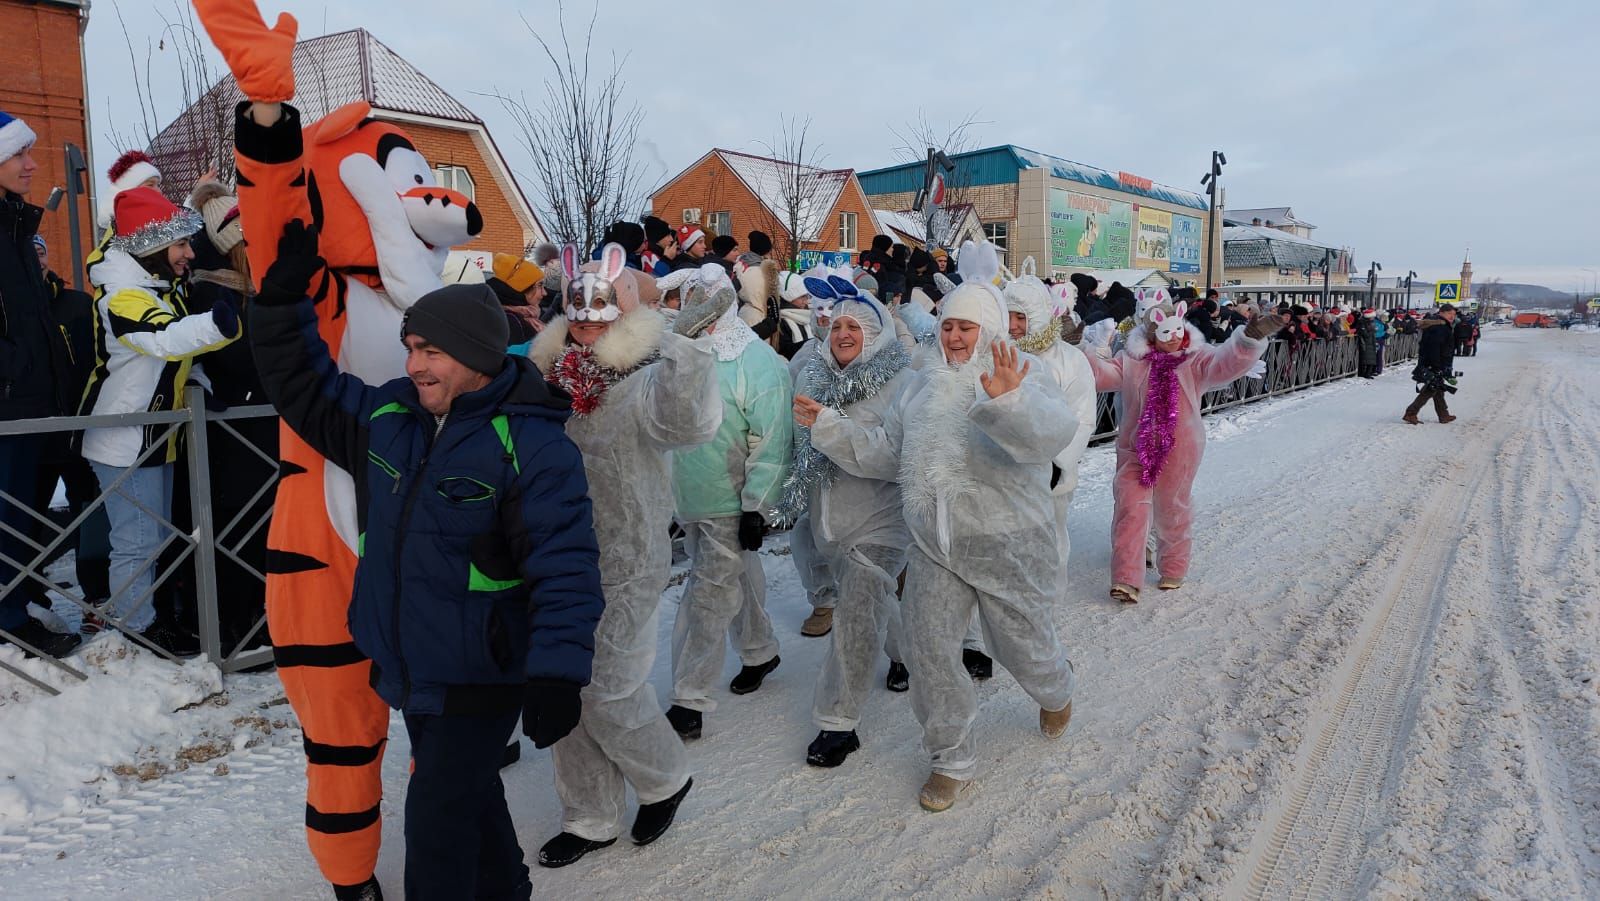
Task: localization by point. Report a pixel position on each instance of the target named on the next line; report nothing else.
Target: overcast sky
(1408, 130)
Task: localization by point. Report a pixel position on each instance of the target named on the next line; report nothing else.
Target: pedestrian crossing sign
(1447, 292)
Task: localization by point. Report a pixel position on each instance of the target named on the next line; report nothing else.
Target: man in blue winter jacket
(478, 590)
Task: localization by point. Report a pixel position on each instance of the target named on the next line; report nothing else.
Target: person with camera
(1435, 372)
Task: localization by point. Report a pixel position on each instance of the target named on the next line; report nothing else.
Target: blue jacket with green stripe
(479, 568)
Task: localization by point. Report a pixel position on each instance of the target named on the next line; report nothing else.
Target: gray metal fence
(1312, 363)
(200, 544)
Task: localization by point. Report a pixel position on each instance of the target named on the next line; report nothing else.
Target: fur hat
(220, 209)
(517, 272)
(759, 242)
(131, 170)
(148, 222)
(15, 136)
(882, 243)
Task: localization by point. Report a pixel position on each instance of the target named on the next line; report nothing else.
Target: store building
(1068, 216)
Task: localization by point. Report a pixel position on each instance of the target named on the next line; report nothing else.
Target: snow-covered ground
(1383, 678)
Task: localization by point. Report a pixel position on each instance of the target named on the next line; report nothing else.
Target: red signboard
(1129, 180)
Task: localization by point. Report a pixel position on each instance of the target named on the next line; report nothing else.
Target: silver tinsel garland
(157, 235)
(837, 389)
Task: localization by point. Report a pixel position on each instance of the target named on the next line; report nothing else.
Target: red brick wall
(502, 232)
(43, 84)
(711, 186)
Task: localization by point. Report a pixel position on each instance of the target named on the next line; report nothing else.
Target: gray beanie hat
(466, 322)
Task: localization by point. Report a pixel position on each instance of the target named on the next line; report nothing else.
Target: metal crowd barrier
(201, 544)
(1312, 363)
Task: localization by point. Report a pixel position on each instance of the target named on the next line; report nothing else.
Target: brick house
(727, 192)
(341, 68)
(44, 84)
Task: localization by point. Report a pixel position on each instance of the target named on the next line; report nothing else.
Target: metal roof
(1249, 246)
(329, 71)
(1274, 215)
(948, 223)
(1000, 165)
(768, 179)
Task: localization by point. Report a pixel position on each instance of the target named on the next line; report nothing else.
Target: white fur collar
(629, 341)
(934, 466)
(1137, 344)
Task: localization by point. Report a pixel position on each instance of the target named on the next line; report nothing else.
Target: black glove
(288, 279)
(550, 710)
(752, 526)
(225, 317)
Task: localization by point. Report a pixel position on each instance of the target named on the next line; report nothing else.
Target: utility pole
(1409, 276)
(1209, 180)
(1327, 254)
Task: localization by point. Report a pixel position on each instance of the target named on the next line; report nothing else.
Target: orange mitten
(261, 58)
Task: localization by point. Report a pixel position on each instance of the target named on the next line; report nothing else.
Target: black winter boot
(979, 665)
(366, 891)
(653, 820)
(829, 749)
(684, 721)
(568, 848)
(899, 677)
(53, 644)
(749, 678)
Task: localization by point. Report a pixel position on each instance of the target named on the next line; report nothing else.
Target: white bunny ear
(569, 261)
(1029, 267)
(1157, 316)
(979, 264)
(613, 259)
(1181, 310)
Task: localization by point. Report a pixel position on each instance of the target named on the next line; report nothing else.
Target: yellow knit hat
(517, 272)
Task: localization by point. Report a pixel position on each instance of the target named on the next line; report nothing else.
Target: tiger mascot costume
(386, 227)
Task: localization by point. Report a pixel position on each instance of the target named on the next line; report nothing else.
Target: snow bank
(64, 752)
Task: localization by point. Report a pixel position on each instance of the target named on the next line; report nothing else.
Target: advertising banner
(810, 259)
(1155, 237)
(1089, 232)
(1187, 238)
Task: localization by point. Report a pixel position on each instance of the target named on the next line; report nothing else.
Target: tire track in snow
(1311, 840)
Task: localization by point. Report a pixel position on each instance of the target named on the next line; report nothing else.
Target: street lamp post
(1209, 180)
(1409, 276)
(1372, 281)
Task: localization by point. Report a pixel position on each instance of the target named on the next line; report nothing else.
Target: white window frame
(456, 178)
(721, 222)
(849, 231)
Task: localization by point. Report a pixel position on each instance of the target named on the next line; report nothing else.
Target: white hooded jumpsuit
(858, 532)
(975, 474)
(626, 443)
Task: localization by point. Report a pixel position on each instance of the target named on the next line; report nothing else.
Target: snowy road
(1382, 678)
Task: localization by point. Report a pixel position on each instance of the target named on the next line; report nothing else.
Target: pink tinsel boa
(1158, 423)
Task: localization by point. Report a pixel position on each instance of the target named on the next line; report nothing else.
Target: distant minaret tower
(1466, 276)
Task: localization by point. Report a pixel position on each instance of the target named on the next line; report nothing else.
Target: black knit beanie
(759, 243)
(722, 244)
(464, 321)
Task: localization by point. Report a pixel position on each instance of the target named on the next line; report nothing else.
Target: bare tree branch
(580, 140)
(802, 184)
(960, 136)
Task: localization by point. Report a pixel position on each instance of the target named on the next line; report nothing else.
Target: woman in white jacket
(844, 481)
(145, 345)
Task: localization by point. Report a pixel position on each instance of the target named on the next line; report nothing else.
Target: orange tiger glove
(261, 58)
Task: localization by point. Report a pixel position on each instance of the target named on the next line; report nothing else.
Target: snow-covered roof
(329, 72)
(770, 180)
(906, 226)
(1273, 215)
(1249, 246)
(1130, 278)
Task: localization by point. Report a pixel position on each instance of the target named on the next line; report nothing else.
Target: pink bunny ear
(1182, 309)
(613, 259)
(1157, 316)
(569, 262)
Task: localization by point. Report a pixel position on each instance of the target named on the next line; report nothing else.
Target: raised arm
(141, 324)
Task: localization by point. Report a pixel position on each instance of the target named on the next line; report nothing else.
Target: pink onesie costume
(1149, 479)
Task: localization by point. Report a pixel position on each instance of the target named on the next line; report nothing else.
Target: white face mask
(1168, 328)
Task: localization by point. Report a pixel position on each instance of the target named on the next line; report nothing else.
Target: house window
(722, 222)
(847, 231)
(456, 178)
(999, 234)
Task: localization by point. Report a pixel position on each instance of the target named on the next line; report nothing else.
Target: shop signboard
(1089, 232)
(1155, 237)
(1186, 240)
(810, 259)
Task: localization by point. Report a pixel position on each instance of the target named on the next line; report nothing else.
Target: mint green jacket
(743, 468)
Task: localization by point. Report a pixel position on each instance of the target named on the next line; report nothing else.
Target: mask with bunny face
(1165, 326)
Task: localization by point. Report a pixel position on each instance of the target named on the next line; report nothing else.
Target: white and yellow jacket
(145, 344)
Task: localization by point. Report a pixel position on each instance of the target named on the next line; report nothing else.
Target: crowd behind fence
(1288, 369)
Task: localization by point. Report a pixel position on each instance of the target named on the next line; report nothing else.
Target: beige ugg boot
(1053, 723)
(1169, 583)
(819, 623)
(941, 791)
(1127, 594)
